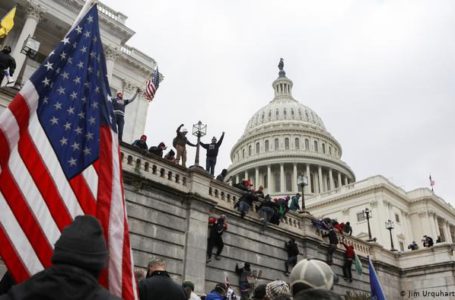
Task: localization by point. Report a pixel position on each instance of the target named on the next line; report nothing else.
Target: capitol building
(285, 140)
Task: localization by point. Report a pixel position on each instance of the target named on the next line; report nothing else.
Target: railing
(179, 178)
(109, 12)
(138, 55)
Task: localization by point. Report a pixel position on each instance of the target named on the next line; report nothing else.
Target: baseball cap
(277, 288)
(311, 273)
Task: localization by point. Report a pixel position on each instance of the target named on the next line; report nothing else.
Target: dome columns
(280, 178)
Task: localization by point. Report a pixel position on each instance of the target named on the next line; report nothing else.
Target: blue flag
(376, 289)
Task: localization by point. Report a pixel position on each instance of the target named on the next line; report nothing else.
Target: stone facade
(49, 20)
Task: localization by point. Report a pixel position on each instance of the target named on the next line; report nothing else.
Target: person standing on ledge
(6, 62)
(180, 142)
(119, 111)
(212, 153)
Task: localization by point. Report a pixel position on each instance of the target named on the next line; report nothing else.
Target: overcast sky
(380, 74)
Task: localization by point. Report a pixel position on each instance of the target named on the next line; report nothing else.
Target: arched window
(286, 143)
(307, 144)
(285, 113)
(270, 115)
(243, 153)
(323, 148)
(257, 148)
(266, 146)
(249, 150)
(330, 150)
(277, 112)
(316, 146)
(263, 116)
(292, 112)
(297, 143)
(277, 144)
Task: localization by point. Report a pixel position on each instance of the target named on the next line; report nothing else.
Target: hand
(181, 124)
(138, 90)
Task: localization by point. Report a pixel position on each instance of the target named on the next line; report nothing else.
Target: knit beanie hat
(82, 245)
(311, 274)
(277, 288)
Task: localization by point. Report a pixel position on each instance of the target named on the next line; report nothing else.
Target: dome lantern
(282, 85)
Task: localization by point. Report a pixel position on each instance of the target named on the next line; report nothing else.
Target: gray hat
(311, 274)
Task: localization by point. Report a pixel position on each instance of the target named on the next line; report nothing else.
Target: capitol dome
(285, 140)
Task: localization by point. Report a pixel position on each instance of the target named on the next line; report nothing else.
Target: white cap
(313, 274)
(184, 130)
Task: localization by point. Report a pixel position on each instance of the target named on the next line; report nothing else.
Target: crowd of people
(180, 141)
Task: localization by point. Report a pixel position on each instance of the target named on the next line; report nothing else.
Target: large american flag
(59, 158)
(151, 86)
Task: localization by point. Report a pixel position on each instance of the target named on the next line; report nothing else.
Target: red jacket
(350, 253)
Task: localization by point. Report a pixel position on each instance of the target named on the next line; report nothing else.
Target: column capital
(129, 86)
(112, 52)
(34, 10)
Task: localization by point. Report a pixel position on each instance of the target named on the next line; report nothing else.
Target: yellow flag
(7, 23)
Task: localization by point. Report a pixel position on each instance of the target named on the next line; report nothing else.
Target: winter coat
(59, 282)
(350, 253)
(140, 144)
(212, 148)
(294, 203)
(119, 105)
(7, 61)
(160, 286)
(292, 249)
(181, 139)
(333, 239)
(156, 150)
(319, 294)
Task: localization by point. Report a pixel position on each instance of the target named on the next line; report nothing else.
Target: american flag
(59, 158)
(151, 86)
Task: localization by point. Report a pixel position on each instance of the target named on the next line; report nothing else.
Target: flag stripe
(44, 182)
(11, 258)
(34, 199)
(25, 218)
(50, 162)
(91, 178)
(84, 195)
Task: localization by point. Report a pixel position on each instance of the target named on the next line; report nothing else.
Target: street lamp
(389, 226)
(367, 214)
(302, 180)
(199, 130)
(30, 47)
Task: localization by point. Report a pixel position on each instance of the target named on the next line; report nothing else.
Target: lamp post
(199, 130)
(389, 226)
(302, 180)
(367, 214)
(30, 47)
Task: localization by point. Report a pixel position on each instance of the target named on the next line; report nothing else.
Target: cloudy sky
(380, 73)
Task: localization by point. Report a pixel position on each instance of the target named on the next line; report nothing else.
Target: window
(360, 216)
(266, 146)
(277, 181)
(249, 150)
(288, 182)
(243, 153)
(277, 144)
(257, 148)
(270, 115)
(397, 218)
(292, 112)
(323, 148)
(330, 150)
(276, 113)
(316, 146)
(307, 144)
(286, 143)
(297, 143)
(263, 116)
(401, 247)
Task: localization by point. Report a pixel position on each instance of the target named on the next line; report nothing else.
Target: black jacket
(7, 61)
(291, 249)
(159, 286)
(140, 144)
(212, 148)
(156, 150)
(59, 282)
(333, 239)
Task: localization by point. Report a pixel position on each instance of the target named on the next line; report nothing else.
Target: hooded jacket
(79, 256)
(160, 286)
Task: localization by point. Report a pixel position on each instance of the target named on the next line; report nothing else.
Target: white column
(282, 187)
(295, 188)
(256, 178)
(245, 175)
(112, 54)
(269, 179)
(346, 182)
(308, 175)
(447, 232)
(321, 189)
(339, 180)
(33, 15)
(332, 187)
(237, 178)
